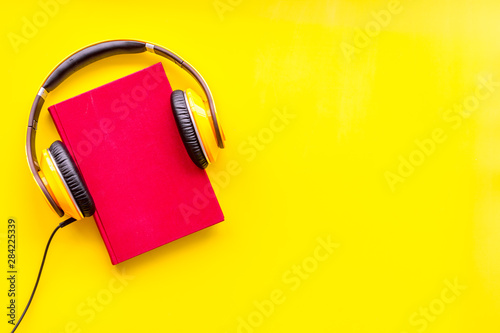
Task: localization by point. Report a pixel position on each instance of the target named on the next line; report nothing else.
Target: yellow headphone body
(58, 189)
(204, 125)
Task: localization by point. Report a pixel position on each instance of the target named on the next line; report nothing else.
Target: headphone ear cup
(187, 129)
(72, 178)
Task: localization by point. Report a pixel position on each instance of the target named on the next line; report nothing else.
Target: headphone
(57, 174)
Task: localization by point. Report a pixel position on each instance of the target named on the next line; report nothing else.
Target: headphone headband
(84, 57)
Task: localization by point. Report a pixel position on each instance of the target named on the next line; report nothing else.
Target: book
(124, 140)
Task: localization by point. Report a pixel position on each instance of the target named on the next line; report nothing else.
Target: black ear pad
(186, 129)
(72, 177)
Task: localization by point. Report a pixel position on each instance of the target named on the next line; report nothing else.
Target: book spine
(60, 129)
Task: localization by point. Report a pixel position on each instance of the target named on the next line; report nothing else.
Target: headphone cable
(61, 225)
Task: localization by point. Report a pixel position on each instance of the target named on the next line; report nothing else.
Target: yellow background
(322, 175)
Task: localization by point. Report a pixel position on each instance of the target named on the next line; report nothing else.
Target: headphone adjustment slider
(43, 93)
(150, 47)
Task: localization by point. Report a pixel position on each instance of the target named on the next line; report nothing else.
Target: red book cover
(124, 139)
